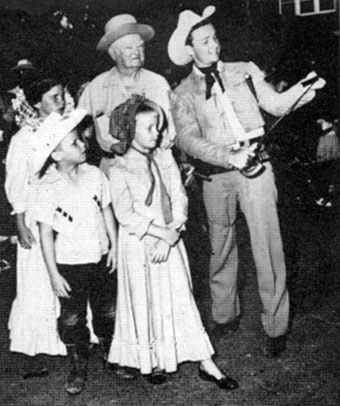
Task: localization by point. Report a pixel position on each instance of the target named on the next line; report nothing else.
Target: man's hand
(241, 157)
(315, 85)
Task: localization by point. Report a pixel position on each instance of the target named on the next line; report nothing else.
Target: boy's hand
(26, 237)
(60, 286)
(111, 261)
(160, 252)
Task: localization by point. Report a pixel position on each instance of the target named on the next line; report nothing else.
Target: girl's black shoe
(225, 383)
(157, 377)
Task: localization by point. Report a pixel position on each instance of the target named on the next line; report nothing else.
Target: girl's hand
(111, 261)
(160, 252)
(26, 237)
(60, 286)
(171, 236)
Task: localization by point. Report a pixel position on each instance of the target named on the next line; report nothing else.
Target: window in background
(306, 7)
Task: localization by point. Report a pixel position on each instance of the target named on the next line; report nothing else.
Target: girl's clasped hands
(160, 251)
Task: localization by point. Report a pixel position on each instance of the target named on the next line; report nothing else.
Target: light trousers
(257, 198)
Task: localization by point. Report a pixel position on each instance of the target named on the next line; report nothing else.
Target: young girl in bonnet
(75, 205)
(158, 324)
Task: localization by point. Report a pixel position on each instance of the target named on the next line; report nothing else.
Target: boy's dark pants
(89, 282)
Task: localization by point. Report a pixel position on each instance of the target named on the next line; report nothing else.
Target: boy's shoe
(275, 346)
(76, 382)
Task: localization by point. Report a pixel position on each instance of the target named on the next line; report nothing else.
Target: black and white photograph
(169, 202)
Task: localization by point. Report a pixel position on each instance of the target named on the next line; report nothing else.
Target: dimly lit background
(61, 35)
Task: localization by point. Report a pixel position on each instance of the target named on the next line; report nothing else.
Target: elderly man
(124, 41)
(218, 122)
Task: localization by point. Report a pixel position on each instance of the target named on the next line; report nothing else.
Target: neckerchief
(165, 199)
(211, 74)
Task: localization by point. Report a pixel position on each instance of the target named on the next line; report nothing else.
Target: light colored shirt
(75, 213)
(107, 91)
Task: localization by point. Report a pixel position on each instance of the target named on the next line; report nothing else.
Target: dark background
(308, 372)
(249, 30)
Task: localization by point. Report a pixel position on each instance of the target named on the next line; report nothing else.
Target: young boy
(78, 238)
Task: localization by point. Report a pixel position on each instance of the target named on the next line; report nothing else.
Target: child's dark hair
(35, 90)
(85, 124)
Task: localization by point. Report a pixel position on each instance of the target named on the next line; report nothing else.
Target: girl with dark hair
(34, 313)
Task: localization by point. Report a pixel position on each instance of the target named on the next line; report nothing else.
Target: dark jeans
(89, 282)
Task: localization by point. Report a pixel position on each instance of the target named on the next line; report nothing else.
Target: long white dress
(34, 313)
(157, 320)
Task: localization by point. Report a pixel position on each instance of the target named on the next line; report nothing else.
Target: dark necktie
(165, 199)
(211, 75)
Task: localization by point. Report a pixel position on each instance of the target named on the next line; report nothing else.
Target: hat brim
(54, 125)
(144, 30)
(176, 46)
(22, 67)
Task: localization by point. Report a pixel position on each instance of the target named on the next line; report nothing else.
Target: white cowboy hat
(187, 20)
(23, 64)
(51, 132)
(121, 25)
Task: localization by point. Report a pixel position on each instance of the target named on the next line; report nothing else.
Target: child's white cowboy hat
(186, 21)
(51, 132)
(121, 25)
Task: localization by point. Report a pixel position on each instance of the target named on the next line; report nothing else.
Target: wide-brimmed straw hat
(51, 132)
(186, 21)
(121, 25)
(123, 121)
(22, 65)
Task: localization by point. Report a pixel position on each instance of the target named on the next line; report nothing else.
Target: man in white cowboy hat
(124, 40)
(218, 122)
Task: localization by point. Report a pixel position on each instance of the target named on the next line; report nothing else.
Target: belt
(215, 170)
